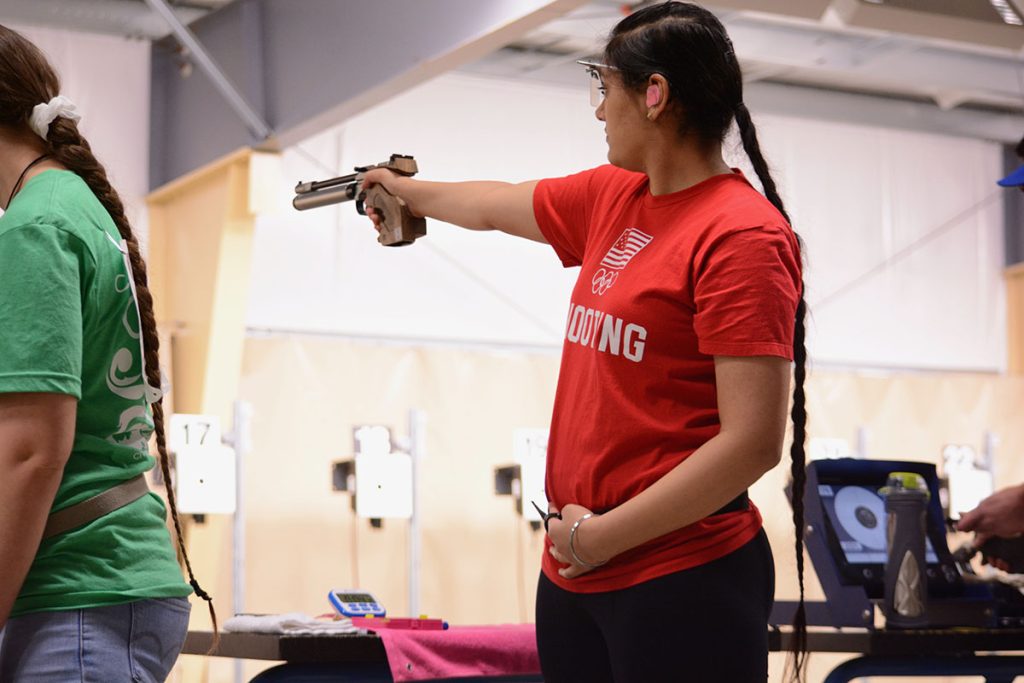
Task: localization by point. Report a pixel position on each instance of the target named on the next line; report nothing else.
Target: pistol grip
(399, 227)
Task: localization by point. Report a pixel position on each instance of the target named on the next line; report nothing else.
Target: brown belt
(93, 508)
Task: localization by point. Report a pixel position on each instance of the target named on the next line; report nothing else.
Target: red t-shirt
(666, 283)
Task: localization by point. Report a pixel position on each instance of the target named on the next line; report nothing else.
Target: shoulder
(742, 226)
(735, 206)
(595, 179)
(617, 179)
(44, 243)
(58, 203)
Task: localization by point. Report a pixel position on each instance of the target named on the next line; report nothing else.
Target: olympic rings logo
(603, 279)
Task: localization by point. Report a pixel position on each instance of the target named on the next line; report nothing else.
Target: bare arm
(475, 205)
(753, 394)
(36, 433)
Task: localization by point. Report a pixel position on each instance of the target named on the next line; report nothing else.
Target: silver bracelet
(572, 545)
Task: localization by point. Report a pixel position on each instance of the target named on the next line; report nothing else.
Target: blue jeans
(137, 641)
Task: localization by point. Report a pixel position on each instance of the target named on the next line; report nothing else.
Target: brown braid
(67, 146)
(27, 79)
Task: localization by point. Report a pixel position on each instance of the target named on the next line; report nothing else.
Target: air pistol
(398, 226)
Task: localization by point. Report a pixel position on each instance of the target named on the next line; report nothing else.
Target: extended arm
(36, 434)
(475, 205)
(753, 394)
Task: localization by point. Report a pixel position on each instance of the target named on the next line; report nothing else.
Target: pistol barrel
(330, 195)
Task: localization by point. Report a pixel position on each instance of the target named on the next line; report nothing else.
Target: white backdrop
(858, 195)
(863, 198)
(108, 79)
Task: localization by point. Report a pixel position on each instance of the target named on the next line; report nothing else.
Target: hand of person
(390, 181)
(558, 531)
(1004, 553)
(1001, 514)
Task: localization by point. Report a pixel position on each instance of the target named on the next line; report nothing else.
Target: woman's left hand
(558, 531)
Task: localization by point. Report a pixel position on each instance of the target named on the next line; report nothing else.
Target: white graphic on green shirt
(134, 424)
(129, 307)
(134, 429)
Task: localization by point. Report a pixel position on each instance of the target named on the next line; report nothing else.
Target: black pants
(708, 624)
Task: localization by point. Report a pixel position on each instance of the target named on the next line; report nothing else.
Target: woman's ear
(656, 99)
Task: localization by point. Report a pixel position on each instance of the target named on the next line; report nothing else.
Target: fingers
(570, 572)
(375, 216)
(559, 556)
(968, 521)
(376, 176)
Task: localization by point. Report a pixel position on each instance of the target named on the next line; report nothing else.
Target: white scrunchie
(44, 114)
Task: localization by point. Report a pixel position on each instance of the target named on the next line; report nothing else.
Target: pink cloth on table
(461, 651)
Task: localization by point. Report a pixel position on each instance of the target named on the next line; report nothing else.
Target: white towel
(293, 623)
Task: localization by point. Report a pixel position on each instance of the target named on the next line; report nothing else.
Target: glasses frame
(597, 87)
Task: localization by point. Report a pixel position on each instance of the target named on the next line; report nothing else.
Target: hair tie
(44, 114)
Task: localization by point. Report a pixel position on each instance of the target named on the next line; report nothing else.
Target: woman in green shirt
(83, 595)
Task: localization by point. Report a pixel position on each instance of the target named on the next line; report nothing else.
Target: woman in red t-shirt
(675, 375)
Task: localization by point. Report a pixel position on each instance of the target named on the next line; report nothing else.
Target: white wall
(858, 195)
(863, 196)
(108, 80)
(323, 270)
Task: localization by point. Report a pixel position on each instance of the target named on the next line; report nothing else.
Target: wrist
(592, 540)
(410, 191)
(1020, 496)
(399, 185)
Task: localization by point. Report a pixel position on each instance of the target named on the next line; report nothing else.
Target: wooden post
(1015, 318)
(200, 247)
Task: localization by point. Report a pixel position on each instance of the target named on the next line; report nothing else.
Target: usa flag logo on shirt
(625, 248)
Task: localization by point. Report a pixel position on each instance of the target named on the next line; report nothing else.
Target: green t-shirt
(68, 325)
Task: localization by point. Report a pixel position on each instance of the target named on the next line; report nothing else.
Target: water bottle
(906, 583)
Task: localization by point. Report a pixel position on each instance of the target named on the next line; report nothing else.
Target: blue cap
(1014, 179)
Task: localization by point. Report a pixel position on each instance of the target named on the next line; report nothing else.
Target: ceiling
(956, 53)
(129, 18)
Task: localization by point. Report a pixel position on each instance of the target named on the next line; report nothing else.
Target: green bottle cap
(904, 481)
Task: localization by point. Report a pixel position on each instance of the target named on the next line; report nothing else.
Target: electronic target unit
(845, 536)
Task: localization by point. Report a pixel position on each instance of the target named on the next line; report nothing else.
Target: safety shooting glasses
(597, 88)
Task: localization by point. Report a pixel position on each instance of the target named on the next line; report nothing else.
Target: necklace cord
(17, 183)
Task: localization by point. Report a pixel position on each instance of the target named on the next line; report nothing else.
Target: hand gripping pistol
(399, 226)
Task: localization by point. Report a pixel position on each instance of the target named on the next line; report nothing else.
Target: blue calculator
(355, 603)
